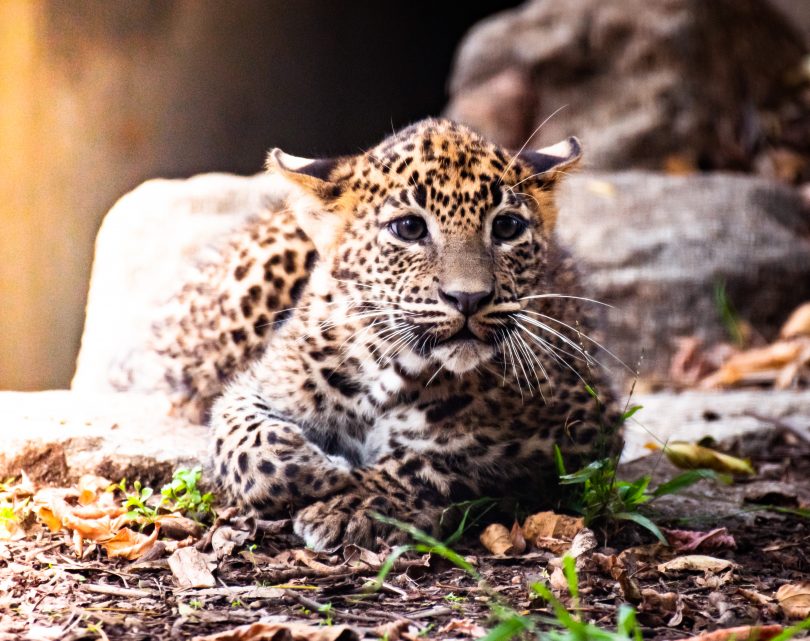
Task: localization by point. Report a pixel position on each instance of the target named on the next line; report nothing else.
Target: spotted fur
(389, 387)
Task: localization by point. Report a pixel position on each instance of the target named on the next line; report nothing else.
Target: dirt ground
(47, 593)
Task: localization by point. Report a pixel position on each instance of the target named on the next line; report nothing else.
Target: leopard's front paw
(326, 525)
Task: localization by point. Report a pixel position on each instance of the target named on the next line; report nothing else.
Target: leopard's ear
(314, 192)
(551, 162)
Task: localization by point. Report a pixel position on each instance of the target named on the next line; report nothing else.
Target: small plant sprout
(183, 495)
(326, 611)
(136, 501)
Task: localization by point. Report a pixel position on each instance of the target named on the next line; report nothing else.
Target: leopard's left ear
(549, 163)
(314, 190)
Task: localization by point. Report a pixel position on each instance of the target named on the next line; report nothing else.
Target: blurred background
(97, 96)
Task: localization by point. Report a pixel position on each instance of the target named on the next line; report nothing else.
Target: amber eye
(507, 227)
(408, 228)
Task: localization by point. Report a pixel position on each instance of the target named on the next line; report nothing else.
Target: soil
(46, 592)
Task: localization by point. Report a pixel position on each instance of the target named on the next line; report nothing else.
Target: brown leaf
(129, 544)
(690, 540)
(695, 563)
(518, 541)
(759, 363)
(190, 569)
(552, 525)
(663, 602)
(284, 632)
(179, 527)
(584, 541)
(464, 627)
(496, 539)
(794, 599)
(740, 633)
(798, 324)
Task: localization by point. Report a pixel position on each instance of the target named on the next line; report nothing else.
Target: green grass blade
(508, 629)
(644, 522)
(686, 479)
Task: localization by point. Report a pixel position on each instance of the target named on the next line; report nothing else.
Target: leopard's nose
(467, 302)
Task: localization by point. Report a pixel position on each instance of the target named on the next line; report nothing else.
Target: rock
(645, 84)
(57, 436)
(148, 240)
(656, 247)
(689, 416)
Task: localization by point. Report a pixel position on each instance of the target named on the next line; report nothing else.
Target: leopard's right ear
(315, 189)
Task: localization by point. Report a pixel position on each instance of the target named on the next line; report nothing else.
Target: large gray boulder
(656, 247)
(647, 83)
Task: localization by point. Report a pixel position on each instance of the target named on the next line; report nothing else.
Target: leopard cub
(433, 352)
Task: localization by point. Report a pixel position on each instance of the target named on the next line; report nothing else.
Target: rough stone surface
(656, 246)
(148, 240)
(688, 416)
(643, 82)
(57, 436)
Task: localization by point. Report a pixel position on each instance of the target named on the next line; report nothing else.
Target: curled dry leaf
(191, 569)
(284, 632)
(464, 627)
(691, 456)
(179, 527)
(689, 540)
(496, 539)
(584, 542)
(129, 544)
(664, 602)
(776, 363)
(798, 324)
(552, 525)
(695, 563)
(794, 599)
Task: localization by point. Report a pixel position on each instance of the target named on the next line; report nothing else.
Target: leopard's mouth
(464, 334)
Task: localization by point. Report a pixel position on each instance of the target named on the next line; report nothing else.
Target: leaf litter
(75, 564)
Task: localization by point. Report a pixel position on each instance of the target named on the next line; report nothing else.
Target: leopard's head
(437, 235)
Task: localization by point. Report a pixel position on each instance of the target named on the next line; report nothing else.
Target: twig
(116, 591)
(435, 611)
(282, 576)
(313, 605)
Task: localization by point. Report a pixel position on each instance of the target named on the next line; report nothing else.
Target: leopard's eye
(409, 228)
(507, 227)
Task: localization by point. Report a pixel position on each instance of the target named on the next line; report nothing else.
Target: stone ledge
(57, 436)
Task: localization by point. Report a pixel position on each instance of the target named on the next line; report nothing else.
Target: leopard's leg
(266, 463)
(415, 490)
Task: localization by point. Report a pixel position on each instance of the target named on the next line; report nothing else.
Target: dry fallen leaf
(552, 525)
(691, 456)
(463, 626)
(695, 563)
(798, 324)
(794, 599)
(762, 364)
(689, 540)
(496, 539)
(284, 632)
(129, 544)
(190, 569)
(740, 633)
